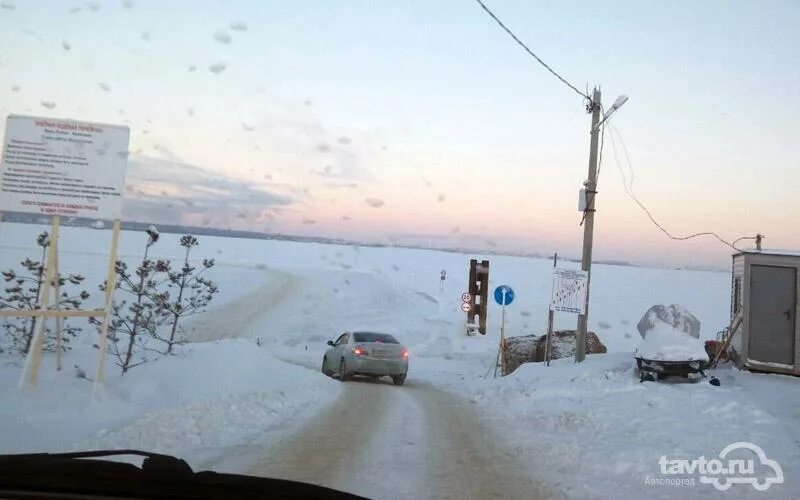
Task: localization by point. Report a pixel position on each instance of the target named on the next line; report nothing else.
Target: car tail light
(404, 352)
(359, 350)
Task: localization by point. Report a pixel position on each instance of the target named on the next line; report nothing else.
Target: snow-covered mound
(674, 315)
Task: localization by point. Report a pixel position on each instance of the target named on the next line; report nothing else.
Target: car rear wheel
(343, 372)
(398, 379)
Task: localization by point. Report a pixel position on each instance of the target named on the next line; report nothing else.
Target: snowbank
(597, 418)
(217, 394)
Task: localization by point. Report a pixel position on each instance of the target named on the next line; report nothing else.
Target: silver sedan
(366, 353)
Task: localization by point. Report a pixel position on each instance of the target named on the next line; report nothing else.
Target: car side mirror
(330, 343)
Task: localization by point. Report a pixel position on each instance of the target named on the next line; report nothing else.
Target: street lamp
(614, 107)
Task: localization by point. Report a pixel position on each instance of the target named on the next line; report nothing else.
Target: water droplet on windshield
(222, 37)
(217, 68)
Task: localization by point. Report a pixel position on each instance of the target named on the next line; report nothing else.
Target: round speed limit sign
(466, 297)
(466, 307)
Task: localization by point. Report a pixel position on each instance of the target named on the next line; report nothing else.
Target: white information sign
(569, 291)
(63, 167)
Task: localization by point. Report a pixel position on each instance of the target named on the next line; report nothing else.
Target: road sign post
(550, 319)
(466, 306)
(503, 295)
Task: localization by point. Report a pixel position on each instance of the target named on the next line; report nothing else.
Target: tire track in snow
(413, 441)
(325, 450)
(464, 460)
(238, 318)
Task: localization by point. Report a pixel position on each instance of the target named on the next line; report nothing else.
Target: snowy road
(375, 439)
(414, 441)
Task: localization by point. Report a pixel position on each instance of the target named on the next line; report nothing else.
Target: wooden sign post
(35, 352)
(550, 319)
(30, 373)
(111, 283)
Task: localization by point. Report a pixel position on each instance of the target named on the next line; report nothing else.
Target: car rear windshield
(374, 337)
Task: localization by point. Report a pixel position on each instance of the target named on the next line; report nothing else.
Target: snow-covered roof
(772, 251)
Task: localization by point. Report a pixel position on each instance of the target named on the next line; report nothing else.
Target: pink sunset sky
(422, 123)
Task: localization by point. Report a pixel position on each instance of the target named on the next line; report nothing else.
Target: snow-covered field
(250, 380)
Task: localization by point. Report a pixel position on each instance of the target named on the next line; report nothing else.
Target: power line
(632, 195)
(529, 51)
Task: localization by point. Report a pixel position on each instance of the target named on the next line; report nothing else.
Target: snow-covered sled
(668, 351)
(652, 369)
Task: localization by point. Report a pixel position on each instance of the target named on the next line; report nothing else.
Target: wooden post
(497, 360)
(57, 286)
(34, 360)
(483, 277)
(111, 283)
(472, 289)
(550, 319)
(726, 343)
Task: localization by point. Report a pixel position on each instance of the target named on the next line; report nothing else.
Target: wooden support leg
(111, 283)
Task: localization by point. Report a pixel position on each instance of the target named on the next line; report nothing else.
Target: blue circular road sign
(504, 295)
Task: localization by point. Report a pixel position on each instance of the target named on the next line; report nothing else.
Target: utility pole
(588, 224)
